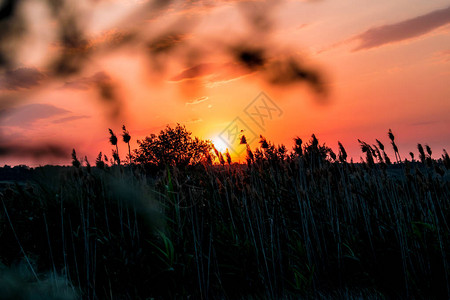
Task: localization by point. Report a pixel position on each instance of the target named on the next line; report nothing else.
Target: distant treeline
(19, 173)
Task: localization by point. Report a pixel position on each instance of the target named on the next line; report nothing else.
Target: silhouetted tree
(172, 146)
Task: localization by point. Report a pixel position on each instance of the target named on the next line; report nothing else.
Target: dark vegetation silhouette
(113, 140)
(126, 139)
(173, 147)
(75, 162)
(180, 220)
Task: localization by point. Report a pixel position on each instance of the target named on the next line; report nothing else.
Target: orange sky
(379, 64)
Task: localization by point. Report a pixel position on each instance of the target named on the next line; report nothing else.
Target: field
(105, 194)
(286, 225)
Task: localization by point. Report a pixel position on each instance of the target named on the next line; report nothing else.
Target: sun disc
(219, 144)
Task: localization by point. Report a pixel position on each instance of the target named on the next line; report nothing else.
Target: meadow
(305, 223)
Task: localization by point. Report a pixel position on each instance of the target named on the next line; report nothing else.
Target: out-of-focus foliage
(67, 46)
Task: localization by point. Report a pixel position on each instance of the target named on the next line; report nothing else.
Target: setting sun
(217, 149)
(219, 144)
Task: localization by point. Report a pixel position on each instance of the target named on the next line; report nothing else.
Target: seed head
(380, 144)
(125, 135)
(112, 138)
(391, 135)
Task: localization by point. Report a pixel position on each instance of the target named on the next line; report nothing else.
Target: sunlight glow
(219, 144)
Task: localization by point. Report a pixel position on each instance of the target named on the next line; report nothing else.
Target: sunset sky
(343, 70)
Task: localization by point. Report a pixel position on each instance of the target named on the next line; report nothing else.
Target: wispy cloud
(85, 83)
(21, 78)
(195, 72)
(193, 121)
(27, 115)
(197, 101)
(68, 119)
(443, 56)
(213, 72)
(302, 26)
(407, 29)
(425, 123)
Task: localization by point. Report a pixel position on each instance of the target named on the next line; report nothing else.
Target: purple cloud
(407, 29)
(21, 78)
(214, 72)
(85, 83)
(68, 119)
(28, 114)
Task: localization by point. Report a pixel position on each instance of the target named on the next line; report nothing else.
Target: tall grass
(305, 224)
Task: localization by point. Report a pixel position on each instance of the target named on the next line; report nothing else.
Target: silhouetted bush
(173, 147)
